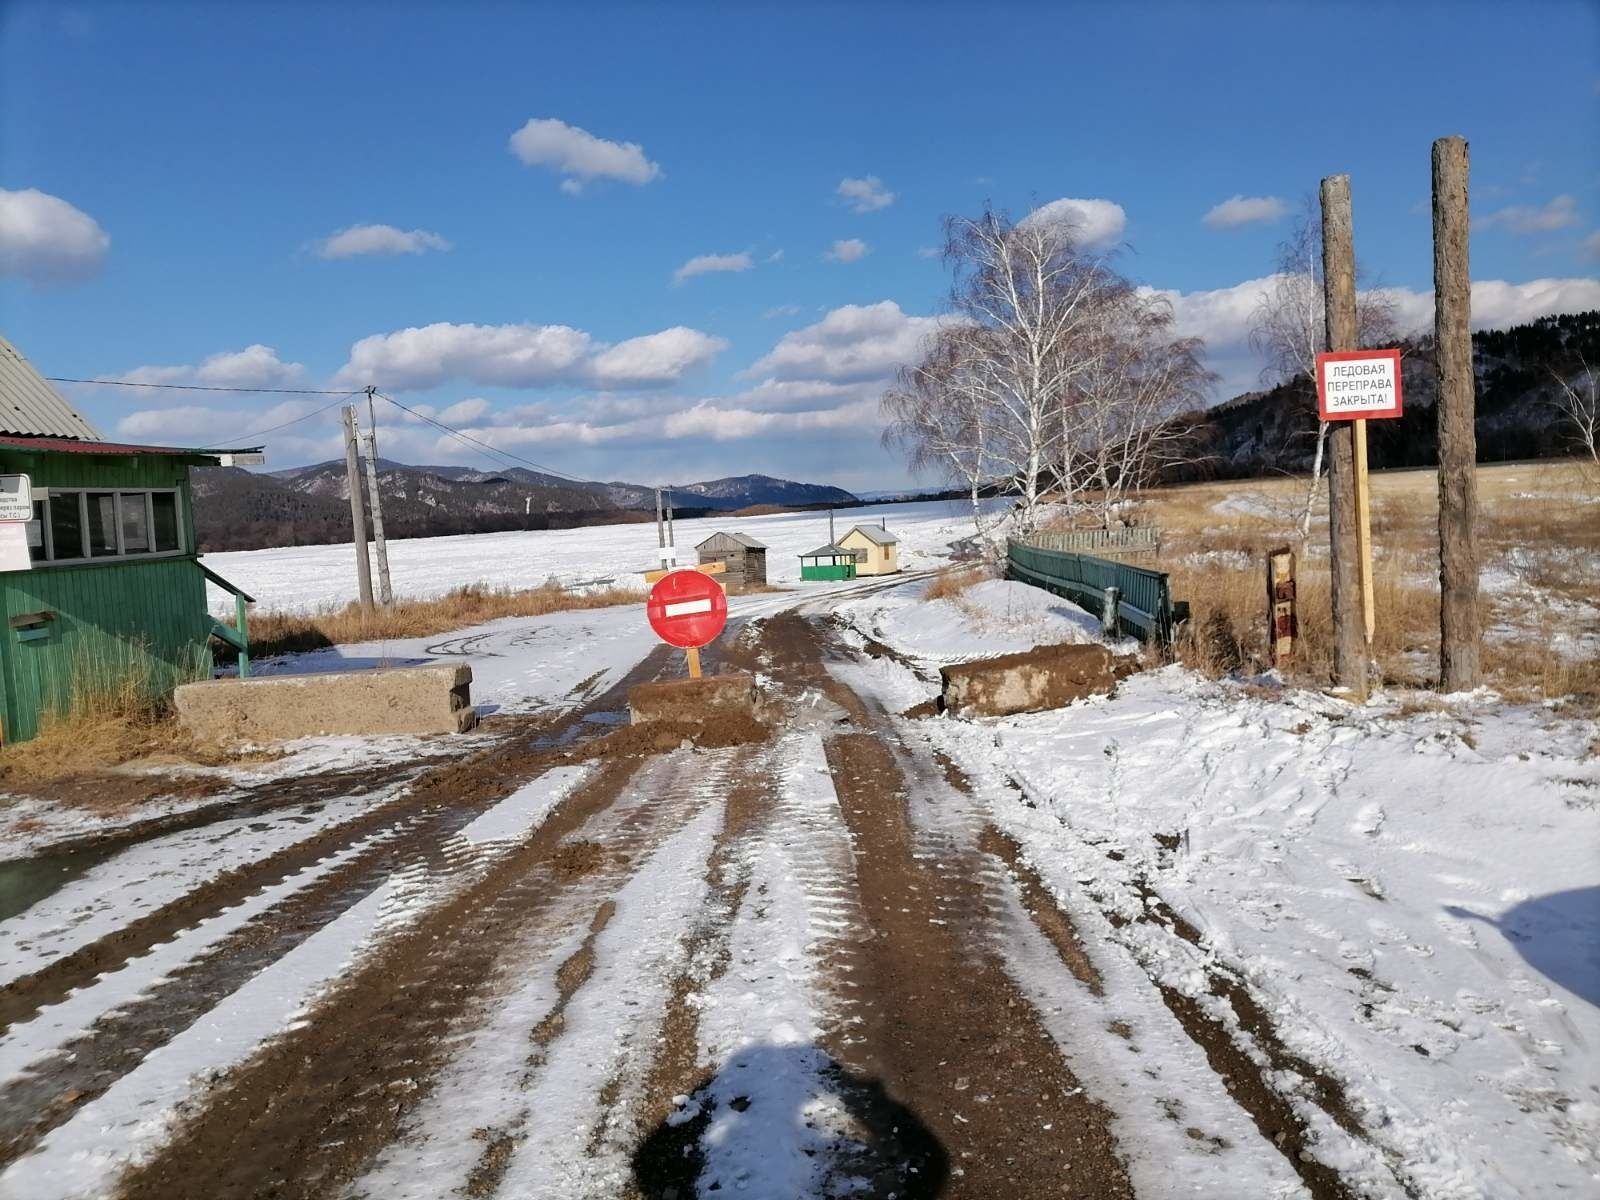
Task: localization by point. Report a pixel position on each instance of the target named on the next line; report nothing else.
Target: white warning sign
(1355, 384)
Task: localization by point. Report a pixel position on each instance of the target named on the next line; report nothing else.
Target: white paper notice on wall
(14, 554)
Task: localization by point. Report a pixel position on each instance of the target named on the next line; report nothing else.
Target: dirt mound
(714, 732)
(1042, 678)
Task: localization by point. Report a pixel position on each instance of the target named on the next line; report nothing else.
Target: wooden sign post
(1282, 623)
(1356, 386)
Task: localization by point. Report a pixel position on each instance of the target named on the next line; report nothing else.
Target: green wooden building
(828, 562)
(103, 586)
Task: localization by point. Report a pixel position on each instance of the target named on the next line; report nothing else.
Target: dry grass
(1539, 545)
(286, 633)
(953, 584)
(117, 712)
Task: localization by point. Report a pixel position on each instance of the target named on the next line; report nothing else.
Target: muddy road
(779, 959)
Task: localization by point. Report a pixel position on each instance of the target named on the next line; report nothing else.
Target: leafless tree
(1576, 401)
(1138, 382)
(1024, 302)
(938, 422)
(1053, 374)
(1288, 330)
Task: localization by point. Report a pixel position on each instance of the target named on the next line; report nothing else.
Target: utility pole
(661, 531)
(378, 542)
(1339, 305)
(672, 540)
(1460, 629)
(358, 519)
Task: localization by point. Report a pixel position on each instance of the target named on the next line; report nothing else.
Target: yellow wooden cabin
(877, 550)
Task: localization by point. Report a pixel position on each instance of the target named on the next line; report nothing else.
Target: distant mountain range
(238, 510)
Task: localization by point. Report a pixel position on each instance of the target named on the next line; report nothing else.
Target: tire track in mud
(313, 1106)
(1251, 1074)
(936, 1016)
(411, 836)
(447, 796)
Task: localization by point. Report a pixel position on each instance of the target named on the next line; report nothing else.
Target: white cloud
(1560, 213)
(360, 240)
(655, 359)
(782, 310)
(1094, 224)
(1591, 245)
(1222, 316)
(1244, 210)
(852, 343)
(501, 355)
(256, 366)
(579, 156)
(929, 252)
(193, 425)
(848, 250)
(705, 264)
(44, 240)
(865, 195)
(523, 356)
(463, 412)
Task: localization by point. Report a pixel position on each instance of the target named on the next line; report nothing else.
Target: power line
(482, 445)
(195, 387)
(274, 428)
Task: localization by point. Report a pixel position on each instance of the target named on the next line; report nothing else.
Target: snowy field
(1413, 891)
(312, 578)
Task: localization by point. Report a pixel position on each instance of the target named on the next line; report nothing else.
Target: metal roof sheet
(57, 445)
(875, 534)
(744, 539)
(830, 551)
(29, 405)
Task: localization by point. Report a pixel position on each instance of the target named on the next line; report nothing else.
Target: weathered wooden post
(1339, 306)
(1282, 623)
(1110, 612)
(358, 520)
(1460, 631)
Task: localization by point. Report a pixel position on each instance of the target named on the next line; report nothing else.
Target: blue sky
(173, 178)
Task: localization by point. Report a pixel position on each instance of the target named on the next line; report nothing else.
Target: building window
(75, 526)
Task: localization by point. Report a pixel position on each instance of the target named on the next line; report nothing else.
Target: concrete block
(1037, 679)
(273, 708)
(692, 700)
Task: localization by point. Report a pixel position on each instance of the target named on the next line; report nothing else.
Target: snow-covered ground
(310, 578)
(1412, 893)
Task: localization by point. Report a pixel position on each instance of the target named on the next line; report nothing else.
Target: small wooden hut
(743, 558)
(877, 550)
(100, 580)
(828, 562)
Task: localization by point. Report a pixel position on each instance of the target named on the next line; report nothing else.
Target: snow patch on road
(995, 616)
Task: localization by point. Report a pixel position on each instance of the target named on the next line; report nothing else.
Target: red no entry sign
(687, 608)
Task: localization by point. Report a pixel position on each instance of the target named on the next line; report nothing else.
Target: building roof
(829, 551)
(875, 534)
(60, 445)
(29, 405)
(744, 539)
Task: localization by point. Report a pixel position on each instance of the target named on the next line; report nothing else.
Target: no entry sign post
(687, 609)
(1358, 386)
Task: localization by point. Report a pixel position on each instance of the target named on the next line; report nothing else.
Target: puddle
(26, 881)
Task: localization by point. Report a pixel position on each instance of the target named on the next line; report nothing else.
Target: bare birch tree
(1577, 399)
(1288, 330)
(939, 423)
(1137, 386)
(1024, 297)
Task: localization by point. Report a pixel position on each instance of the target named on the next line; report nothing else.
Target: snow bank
(997, 616)
(1413, 896)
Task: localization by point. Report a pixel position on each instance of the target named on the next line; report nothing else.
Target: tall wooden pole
(379, 545)
(1339, 304)
(358, 518)
(1460, 630)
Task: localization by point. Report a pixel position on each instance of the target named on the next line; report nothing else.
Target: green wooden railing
(1144, 600)
(236, 635)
